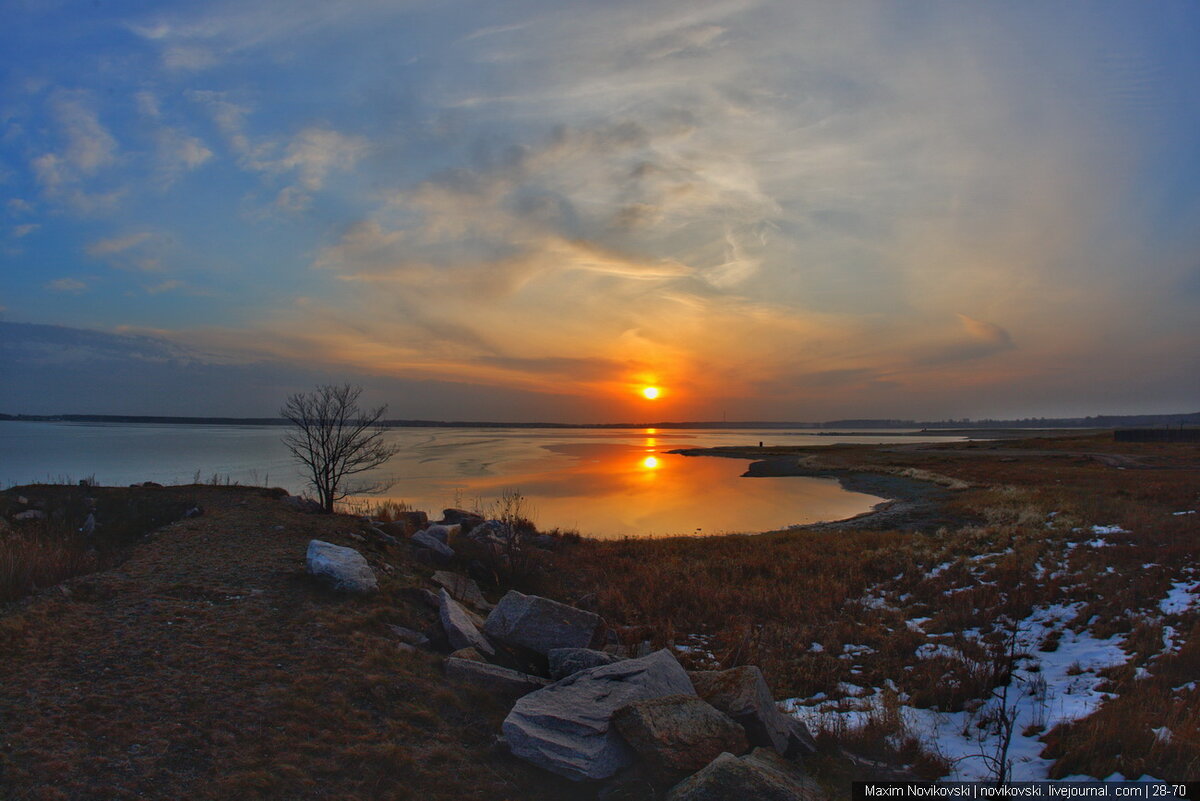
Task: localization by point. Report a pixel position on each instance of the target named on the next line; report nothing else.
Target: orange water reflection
(614, 490)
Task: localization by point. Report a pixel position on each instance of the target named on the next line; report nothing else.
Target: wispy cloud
(70, 285)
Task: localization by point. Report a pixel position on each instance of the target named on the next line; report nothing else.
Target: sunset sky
(532, 210)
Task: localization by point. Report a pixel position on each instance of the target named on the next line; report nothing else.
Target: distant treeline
(1101, 421)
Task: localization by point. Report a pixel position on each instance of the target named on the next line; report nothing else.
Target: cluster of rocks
(585, 710)
(435, 542)
(24, 509)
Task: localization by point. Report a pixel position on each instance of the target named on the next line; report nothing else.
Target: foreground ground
(209, 666)
(1044, 587)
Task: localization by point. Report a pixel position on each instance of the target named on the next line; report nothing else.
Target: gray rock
(677, 735)
(382, 535)
(467, 653)
(540, 624)
(462, 589)
(410, 636)
(565, 661)
(440, 550)
(493, 677)
(468, 520)
(743, 694)
(566, 727)
(343, 569)
(420, 595)
(762, 776)
(460, 628)
(495, 532)
(30, 514)
(439, 532)
(412, 521)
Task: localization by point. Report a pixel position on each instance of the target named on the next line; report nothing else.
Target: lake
(599, 482)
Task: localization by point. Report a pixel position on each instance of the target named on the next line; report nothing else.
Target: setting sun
(650, 392)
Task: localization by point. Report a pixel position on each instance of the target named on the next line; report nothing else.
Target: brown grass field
(200, 661)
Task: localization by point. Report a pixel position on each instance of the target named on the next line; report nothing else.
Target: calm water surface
(606, 483)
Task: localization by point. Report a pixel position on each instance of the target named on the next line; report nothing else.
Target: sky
(532, 210)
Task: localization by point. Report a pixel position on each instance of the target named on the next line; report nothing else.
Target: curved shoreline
(909, 503)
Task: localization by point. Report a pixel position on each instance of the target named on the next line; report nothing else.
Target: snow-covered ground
(1048, 688)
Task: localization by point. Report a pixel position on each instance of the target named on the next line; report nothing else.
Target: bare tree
(334, 439)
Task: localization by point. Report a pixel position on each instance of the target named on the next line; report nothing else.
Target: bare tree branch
(334, 439)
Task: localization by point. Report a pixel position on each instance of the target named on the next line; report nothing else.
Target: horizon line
(1094, 421)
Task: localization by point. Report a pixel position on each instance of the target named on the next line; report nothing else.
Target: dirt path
(210, 666)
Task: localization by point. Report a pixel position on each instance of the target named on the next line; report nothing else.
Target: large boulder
(565, 661)
(494, 678)
(441, 533)
(677, 735)
(539, 624)
(762, 775)
(462, 589)
(343, 569)
(743, 694)
(441, 551)
(460, 628)
(493, 532)
(467, 520)
(567, 729)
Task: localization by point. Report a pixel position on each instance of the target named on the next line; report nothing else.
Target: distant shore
(992, 429)
(909, 503)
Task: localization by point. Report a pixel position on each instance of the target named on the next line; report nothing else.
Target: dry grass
(209, 666)
(819, 609)
(30, 560)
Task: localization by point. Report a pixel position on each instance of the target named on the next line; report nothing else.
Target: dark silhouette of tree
(334, 439)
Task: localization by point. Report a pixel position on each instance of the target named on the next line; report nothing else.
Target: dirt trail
(208, 665)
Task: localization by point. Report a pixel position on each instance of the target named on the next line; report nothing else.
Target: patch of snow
(1042, 697)
(1188, 512)
(856, 650)
(816, 648)
(1180, 598)
(1109, 530)
(1168, 638)
(1189, 687)
(939, 570)
(917, 624)
(1163, 734)
(932, 650)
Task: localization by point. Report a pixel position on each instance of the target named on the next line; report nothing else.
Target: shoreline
(908, 503)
